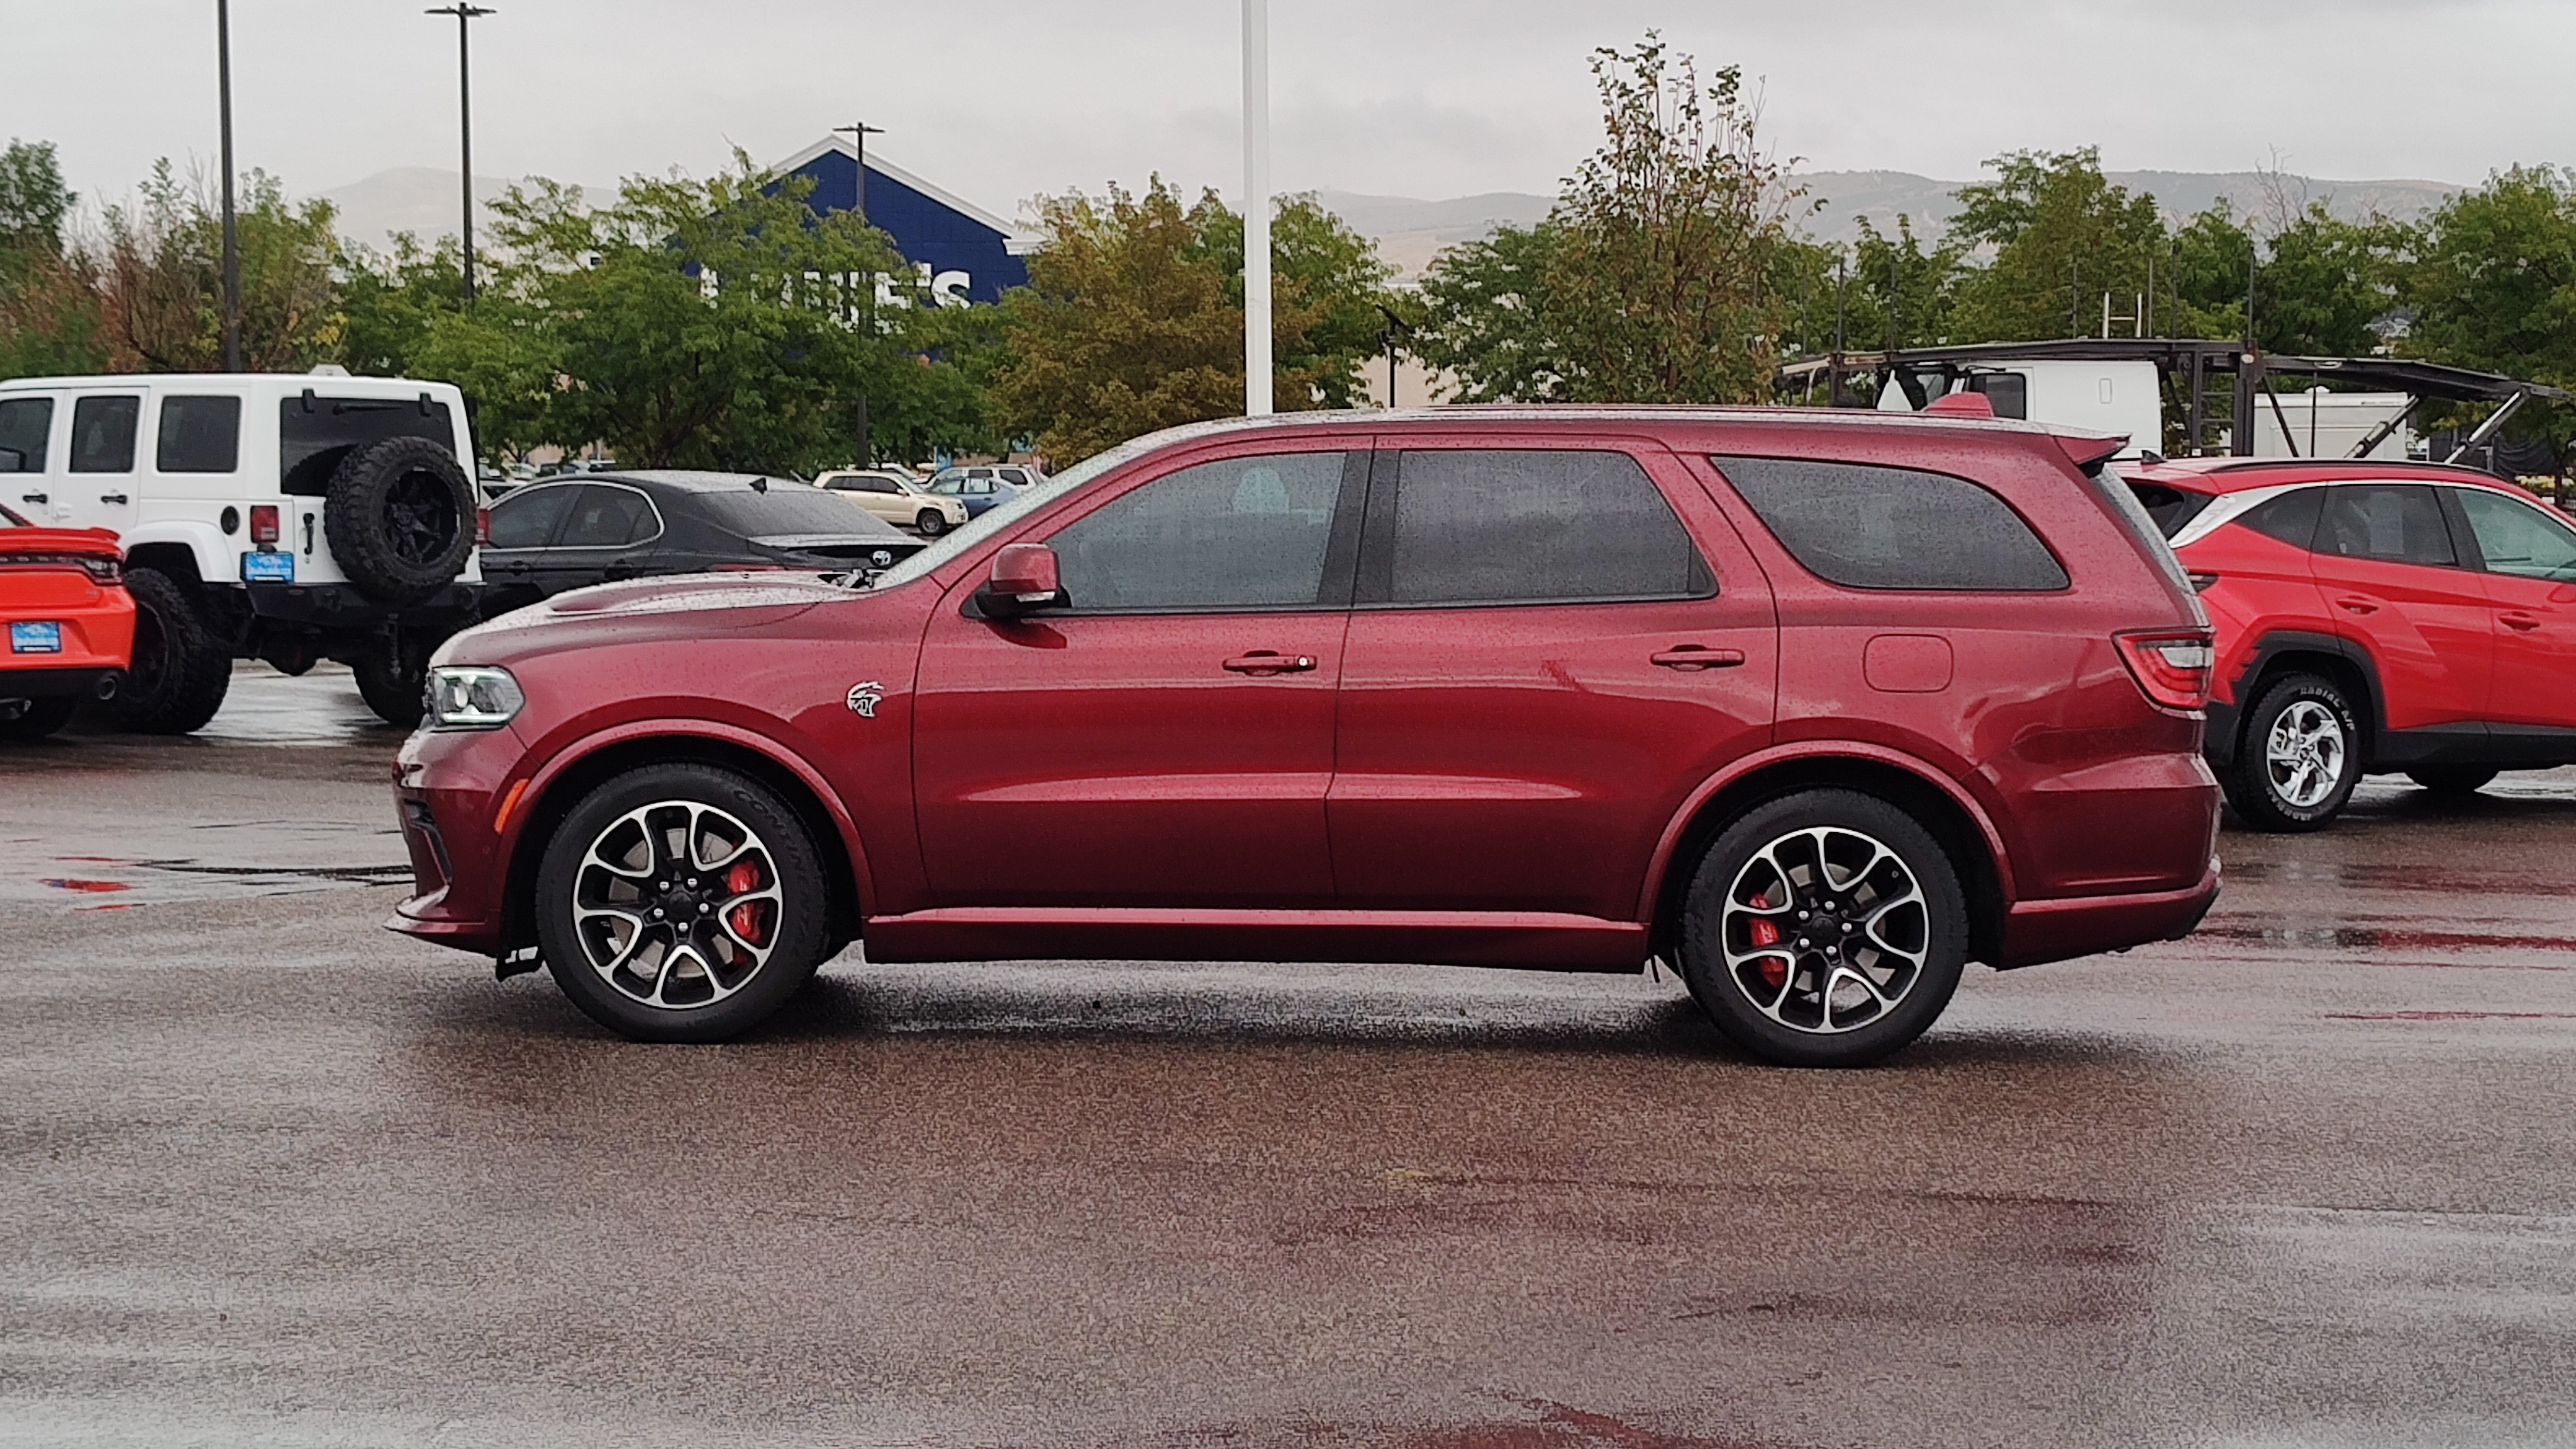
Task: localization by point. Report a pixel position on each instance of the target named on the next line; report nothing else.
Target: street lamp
(1256, 208)
(232, 237)
(465, 14)
(859, 132)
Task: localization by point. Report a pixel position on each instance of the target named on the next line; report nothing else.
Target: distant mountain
(1411, 232)
(422, 200)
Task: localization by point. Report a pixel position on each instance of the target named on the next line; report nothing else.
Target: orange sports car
(69, 620)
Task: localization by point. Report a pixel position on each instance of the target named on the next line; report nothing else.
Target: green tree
(1669, 237)
(162, 278)
(1657, 277)
(51, 319)
(2493, 278)
(1489, 319)
(2063, 236)
(1133, 317)
(700, 324)
(391, 300)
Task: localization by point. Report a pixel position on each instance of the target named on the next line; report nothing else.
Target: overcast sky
(1002, 99)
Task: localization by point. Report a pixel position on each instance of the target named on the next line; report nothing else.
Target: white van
(290, 518)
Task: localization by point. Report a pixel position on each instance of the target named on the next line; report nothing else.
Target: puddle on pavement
(233, 860)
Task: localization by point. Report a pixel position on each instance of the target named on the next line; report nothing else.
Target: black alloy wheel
(681, 903)
(1824, 929)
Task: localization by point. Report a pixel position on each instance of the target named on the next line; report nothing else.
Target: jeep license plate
(36, 638)
(268, 568)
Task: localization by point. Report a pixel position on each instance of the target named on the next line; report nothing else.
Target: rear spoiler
(2089, 451)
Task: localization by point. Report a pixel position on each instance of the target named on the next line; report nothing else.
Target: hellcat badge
(864, 697)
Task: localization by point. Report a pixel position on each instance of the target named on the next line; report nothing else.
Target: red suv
(1815, 707)
(2372, 618)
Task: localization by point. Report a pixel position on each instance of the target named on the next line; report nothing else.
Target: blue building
(960, 252)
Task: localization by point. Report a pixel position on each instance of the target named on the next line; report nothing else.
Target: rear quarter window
(1869, 527)
(2290, 518)
(2167, 507)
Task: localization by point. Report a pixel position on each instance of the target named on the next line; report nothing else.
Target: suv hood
(685, 604)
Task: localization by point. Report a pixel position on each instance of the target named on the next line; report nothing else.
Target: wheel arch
(2284, 652)
(556, 789)
(193, 552)
(1963, 829)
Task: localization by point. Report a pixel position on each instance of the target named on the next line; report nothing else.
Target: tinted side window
(2291, 518)
(2008, 392)
(1527, 526)
(2518, 538)
(24, 424)
(608, 517)
(1245, 533)
(200, 435)
(527, 520)
(1894, 528)
(2390, 522)
(103, 434)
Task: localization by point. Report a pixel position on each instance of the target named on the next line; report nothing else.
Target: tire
(721, 990)
(2299, 758)
(394, 681)
(1913, 926)
(2453, 779)
(400, 517)
(33, 719)
(180, 670)
(931, 522)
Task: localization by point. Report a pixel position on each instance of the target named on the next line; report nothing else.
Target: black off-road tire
(2453, 779)
(2249, 781)
(181, 669)
(33, 719)
(800, 933)
(394, 681)
(1939, 929)
(931, 522)
(400, 517)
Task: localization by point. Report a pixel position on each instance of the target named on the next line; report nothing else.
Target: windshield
(786, 508)
(1014, 505)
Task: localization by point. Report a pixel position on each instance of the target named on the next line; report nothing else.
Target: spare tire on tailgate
(400, 515)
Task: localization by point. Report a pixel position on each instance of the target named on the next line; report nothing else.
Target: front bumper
(2036, 932)
(448, 787)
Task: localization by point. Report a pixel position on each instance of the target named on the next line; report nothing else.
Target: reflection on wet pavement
(320, 707)
(274, 1175)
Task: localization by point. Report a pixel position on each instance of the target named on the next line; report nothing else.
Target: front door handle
(2354, 604)
(2521, 622)
(1699, 656)
(1266, 661)
(117, 498)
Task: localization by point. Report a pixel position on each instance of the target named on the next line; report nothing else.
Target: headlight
(470, 697)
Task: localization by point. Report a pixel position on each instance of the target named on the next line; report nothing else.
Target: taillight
(263, 524)
(483, 526)
(103, 570)
(2172, 668)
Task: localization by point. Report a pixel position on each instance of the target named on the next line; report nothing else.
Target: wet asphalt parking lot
(273, 1175)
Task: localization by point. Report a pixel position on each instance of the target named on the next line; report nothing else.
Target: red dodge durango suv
(2372, 618)
(1816, 707)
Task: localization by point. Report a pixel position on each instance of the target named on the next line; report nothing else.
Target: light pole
(465, 16)
(232, 236)
(859, 132)
(1256, 208)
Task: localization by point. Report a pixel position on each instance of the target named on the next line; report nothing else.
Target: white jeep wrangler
(290, 518)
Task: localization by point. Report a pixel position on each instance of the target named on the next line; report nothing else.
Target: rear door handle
(1267, 661)
(2351, 604)
(111, 498)
(2522, 622)
(33, 498)
(1699, 656)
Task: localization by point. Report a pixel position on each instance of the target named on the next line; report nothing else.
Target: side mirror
(1024, 580)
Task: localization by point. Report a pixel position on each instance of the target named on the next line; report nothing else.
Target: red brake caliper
(1775, 969)
(745, 918)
